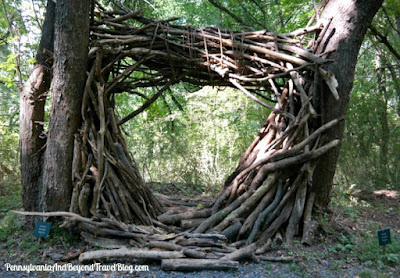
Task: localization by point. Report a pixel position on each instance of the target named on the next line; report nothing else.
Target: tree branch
(383, 39)
(225, 10)
(147, 103)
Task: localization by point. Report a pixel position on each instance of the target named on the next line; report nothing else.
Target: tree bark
(344, 35)
(33, 98)
(70, 65)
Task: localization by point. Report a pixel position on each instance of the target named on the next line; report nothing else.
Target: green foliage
(10, 188)
(345, 244)
(371, 254)
(279, 16)
(11, 226)
(198, 145)
(370, 151)
(24, 246)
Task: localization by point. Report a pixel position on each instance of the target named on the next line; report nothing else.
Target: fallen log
(197, 264)
(194, 253)
(191, 223)
(283, 259)
(171, 219)
(232, 231)
(99, 255)
(200, 242)
(102, 242)
(247, 252)
(164, 245)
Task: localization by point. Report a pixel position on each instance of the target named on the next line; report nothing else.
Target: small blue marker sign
(42, 229)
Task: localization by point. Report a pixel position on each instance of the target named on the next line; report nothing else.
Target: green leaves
(8, 70)
(198, 141)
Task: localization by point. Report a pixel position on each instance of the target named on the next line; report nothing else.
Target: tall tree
(33, 98)
(70, 64)
(349, 21)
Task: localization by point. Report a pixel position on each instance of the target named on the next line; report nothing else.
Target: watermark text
(78, 268)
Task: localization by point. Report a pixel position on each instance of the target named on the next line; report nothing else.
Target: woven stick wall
(269, 193)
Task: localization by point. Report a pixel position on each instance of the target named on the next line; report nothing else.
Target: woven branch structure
(268, 196)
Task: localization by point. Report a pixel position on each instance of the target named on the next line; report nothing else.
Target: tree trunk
(350, 21)
(33, 98)
(383, 177)
(70, 65)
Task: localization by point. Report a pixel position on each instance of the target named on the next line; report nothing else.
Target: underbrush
(356, 224)
(10, 193)
(20, 245)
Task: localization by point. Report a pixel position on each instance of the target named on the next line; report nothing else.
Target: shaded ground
(345, 246)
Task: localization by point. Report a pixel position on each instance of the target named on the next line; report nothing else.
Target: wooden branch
(261, 217)
(281, 155)
(147, 103)
(214, 237)
(164, 245)
(309, 225)
(244, 91)
(232, 231)
(251, 219)
(383, 39)
(282, 259)
(171, 219)
(191, 223)
(70, 215)
(283, 216)
(108, 232)
(127, 16)
(100, 149)
(83, 200)
(297, 212)
(128, 253)
(249, 203)
(198, 265)
(242, 253)
(194, 253)
(225, 10)
(103, 242)
(303, 31)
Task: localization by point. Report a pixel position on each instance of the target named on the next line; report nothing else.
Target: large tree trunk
(350, 21)
(33, 98)
(70, 65)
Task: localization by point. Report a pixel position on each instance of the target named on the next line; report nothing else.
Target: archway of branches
(270, 193)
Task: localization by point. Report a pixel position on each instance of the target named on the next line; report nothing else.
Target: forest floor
(345, 245)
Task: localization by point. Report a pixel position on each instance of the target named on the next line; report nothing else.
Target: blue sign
(384, 237)
(42, 229)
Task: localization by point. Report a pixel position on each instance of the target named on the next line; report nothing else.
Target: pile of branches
(268, 196)
(258, 63)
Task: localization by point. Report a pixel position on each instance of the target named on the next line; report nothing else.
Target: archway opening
(189, 142)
